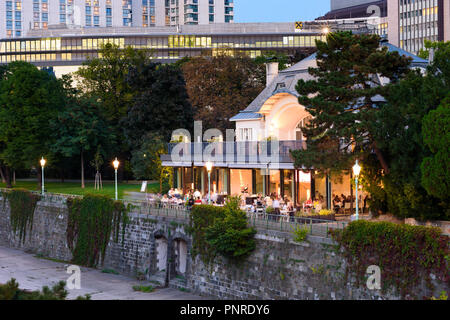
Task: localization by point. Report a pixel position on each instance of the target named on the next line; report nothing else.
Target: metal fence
(283, 223)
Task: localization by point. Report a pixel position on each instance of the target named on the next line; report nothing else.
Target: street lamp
(209, 166)
(116, 166)
(42, 166)
(356, 171)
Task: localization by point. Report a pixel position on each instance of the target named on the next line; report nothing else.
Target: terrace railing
(242, 151)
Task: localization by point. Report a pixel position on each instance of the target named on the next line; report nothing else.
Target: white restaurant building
(275, 115)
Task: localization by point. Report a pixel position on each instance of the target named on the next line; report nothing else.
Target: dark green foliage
(11, 291)
(22, 204)
(273, 56)
(146, 162)
(405, 254)
(160, 105)
(203, 216)
(93, 219)
(29, 99)
(79, 129)
(399, 132)
(436, 168)
(231, 236)
(221, 230)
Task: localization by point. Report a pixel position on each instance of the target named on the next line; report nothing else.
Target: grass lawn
(75, 187)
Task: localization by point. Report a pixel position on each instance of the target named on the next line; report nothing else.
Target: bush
(202, 216)
(11, 291)
(299, 233)
(222, 230)
(406, 254)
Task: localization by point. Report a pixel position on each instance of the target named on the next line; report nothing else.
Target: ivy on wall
(93, 219)
(405, 254)
(22, 205)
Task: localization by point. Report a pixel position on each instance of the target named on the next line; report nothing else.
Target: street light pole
(116, 166)
(356, 171)
(42, 166)
(209, 168)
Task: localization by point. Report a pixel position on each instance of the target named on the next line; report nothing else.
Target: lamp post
(209, 166)
(356, 171)
(116, 166)
(42, 166)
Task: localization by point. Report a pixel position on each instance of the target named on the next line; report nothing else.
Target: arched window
(299, 130)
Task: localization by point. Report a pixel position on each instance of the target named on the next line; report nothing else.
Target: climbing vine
(405, 254)
(22, 204)
(93, 220)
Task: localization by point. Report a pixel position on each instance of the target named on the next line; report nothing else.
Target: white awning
(244, 165)
(176, 164)
(284, 166)
(215, 164)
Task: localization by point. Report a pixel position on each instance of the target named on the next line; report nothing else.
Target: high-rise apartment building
(17, 17)
(410, 22)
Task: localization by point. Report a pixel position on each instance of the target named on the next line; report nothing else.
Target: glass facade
(172, 47)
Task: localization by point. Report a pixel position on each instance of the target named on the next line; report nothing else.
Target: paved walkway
(34, 273)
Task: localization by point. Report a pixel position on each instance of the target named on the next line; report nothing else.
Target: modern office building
(17, 17)
(67, 48)
(410, 22)
(406, 23)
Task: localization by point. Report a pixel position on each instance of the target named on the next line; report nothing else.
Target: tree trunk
(2, 175)
(381, 158)
(82, 170)
(8, 177)
(39, 177)
(61, 172)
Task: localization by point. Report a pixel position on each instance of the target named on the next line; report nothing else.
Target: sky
(279, 10)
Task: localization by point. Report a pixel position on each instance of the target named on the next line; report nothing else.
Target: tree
(400, 129)
(161, 105)
(106, 78)
(273, 56)
(436, 168)
(79, 128)
(146, 161)
(29, 99)
(343, 98)
(221, 86)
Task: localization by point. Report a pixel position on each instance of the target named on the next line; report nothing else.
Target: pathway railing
(283, 223)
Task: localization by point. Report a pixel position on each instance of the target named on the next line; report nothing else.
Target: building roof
(416, 61)
(287, 80)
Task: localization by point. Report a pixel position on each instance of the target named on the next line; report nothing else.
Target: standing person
(276, 205)
(197, 194)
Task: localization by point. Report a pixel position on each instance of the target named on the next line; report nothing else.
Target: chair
(347, 208)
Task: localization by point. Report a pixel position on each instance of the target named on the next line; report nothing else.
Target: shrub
(299, 233)
(221, 230)
(405, 254)
(146, 289)
(325, 212)
(11, 291)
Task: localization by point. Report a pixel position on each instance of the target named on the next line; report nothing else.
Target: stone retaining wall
(160, 247)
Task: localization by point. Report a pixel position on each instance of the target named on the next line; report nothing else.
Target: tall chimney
(271, 72)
